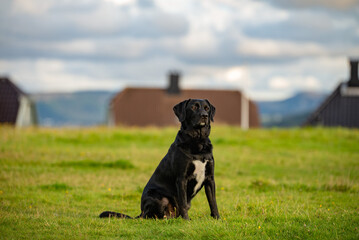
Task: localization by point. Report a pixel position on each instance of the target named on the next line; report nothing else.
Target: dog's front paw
(185, 216)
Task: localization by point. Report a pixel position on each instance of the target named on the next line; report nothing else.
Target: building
(341, 108)
(154, 106)
(16, 108)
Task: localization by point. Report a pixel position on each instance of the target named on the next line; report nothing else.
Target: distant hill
(72, 109)
(289, 112)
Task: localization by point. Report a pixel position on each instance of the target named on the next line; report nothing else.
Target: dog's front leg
(182, 198)
(210, 189)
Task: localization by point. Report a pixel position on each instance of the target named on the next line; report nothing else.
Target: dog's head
(195, 113)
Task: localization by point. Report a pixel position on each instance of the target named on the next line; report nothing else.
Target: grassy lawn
(271, 184)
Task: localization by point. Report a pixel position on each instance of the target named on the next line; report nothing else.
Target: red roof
(154, 106)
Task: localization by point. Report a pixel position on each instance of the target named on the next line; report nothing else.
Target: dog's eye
(206, 108)
(195, 107)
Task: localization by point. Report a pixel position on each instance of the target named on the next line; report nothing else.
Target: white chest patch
(199, 173)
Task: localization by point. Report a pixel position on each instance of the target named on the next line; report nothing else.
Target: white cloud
(81, 46)
(334, 4)
(255, 12)
(278, 48)
(310, 83)
(122, 2)
(46, 75)
(103, 19)
(199, 43)
(235, 74)
(173, 6)
(310, 74)
(33, 7)
(303, 83)
(122, 47)
(265, 95)
(279, 83)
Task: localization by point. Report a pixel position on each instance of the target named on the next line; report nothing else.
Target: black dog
(186, 168)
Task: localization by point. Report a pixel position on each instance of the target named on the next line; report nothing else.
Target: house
(154, 106)
(341, 108)
(16, 108)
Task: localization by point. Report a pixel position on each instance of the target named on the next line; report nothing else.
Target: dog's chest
(199, 174)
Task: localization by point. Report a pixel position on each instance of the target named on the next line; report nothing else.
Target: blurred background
(72, 57)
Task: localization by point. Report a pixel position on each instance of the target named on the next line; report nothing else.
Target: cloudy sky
(270, 49)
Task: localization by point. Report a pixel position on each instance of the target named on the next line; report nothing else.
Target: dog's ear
(213, 110)
(180, 110)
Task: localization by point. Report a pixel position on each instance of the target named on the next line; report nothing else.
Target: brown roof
(9, 101)
(154, 106)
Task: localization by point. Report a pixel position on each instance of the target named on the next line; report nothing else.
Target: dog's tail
(109, 214)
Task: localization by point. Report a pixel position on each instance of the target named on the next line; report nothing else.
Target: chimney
(353, 81)
(173, 87)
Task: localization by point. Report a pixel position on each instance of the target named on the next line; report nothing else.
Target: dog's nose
(204, 114)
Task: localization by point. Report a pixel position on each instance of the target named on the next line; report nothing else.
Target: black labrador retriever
(186, 168)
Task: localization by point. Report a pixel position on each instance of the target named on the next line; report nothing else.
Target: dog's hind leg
(170, 211)
(159, 208)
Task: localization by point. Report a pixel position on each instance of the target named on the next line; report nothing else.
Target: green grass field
(271, 184)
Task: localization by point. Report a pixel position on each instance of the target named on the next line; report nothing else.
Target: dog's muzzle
(204, 120)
